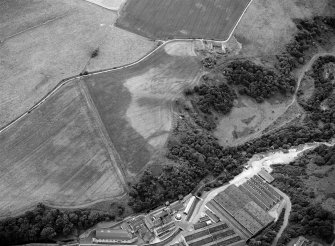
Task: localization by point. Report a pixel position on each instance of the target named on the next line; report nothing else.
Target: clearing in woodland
(165, 19)
(57, 154)
(136, 103)
(43, 42)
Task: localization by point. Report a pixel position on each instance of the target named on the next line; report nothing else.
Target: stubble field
(44, 42)
(57, 155)
(166, 19)
(136, 103)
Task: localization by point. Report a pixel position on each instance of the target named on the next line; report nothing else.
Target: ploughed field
(165, 19)
(57, 155)
(136, 103)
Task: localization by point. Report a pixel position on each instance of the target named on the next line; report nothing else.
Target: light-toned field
(108, 4)
(58, 155)
(44, 42)
(135, 103)
(267, 25)
(248, 119)
(166, 19)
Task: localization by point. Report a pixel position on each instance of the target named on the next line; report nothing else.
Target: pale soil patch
(56, 155)
(47, 41)
(267, 24)
(247, 119)
(108, 4)
(153, 92)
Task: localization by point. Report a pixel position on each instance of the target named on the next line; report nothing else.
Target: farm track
(33, 27)
(105, 137)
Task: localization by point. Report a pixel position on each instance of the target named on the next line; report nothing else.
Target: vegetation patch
(43, 224)
(307, 217)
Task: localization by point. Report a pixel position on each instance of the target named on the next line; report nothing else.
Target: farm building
(265, 175)
(189, 205)
(216, 234)
(246, 206)
(113, 236)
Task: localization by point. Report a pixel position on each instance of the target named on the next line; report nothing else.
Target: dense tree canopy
(258, 82)
(43, 224)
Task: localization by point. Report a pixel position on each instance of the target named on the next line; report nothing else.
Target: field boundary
(104, 135)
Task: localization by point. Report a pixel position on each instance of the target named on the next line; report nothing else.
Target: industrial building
(218, 234)
(246, 206)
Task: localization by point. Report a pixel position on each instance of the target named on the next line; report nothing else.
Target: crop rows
(264, 187)
(258, 213)
(268, 187)
(247, 221)
(253, 197)
(212, 238)
(221, 212)
(217, 228)
(265, 198)
(196, 235)
(256, 194)
(229, 241)
(263, 191)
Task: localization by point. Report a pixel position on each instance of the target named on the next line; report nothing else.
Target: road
(288, 208)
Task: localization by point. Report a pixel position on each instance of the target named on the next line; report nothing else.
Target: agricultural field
(108, 4)
(43, 42)
(58, 155)
(268, 25)
(136, 103)
(166, 19)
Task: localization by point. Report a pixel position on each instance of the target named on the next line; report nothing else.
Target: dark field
(166, 19)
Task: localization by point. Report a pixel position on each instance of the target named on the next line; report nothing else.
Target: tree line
(43, 224)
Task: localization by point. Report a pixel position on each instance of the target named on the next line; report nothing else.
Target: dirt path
(304, 69)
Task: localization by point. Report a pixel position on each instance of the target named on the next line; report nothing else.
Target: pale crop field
(136, 103)
(44, 42)
(57, 155)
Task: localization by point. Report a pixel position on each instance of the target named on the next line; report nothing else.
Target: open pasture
(135, 103)
(248, 119)
(268, 25)
(166, 19)
(57, 155)
(43, 42)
